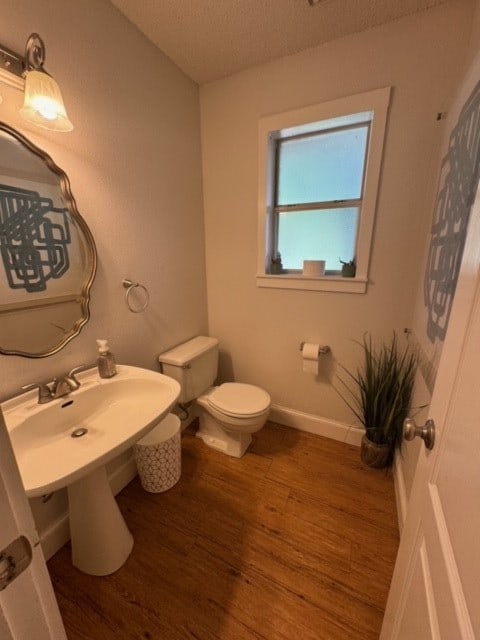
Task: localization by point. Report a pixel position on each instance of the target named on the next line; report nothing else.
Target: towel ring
(130, 286)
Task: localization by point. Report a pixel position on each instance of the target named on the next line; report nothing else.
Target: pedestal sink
(67, 443)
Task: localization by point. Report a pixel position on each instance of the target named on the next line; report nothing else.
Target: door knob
(427, 432)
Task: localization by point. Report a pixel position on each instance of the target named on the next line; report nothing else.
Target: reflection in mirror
(47, 252)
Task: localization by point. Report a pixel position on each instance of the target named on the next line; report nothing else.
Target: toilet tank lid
(187, 351)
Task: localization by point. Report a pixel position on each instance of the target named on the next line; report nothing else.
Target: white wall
(261, 329)
(133, 160)
(134, 164)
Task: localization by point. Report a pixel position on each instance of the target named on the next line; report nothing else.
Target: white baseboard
(58, 533)
(400, 490)
(316, 424)
(122, 475)
(55, 536)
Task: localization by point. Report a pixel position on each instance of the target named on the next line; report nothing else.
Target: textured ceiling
(210, 39)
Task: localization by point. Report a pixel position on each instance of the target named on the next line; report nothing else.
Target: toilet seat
(239, 400)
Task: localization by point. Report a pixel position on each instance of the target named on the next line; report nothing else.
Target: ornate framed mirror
(47, 252)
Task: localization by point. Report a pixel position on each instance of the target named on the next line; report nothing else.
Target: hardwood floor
(295, 541)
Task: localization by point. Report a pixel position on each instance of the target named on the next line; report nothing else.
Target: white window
(319, 174)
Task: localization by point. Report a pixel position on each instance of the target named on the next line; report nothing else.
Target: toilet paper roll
(310, 351)
(315, 268)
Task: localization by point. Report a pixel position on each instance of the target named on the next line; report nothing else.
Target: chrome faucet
(63, 386)
(44, 391)
(58, 387)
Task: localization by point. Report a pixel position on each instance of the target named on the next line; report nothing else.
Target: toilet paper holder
(322, 351)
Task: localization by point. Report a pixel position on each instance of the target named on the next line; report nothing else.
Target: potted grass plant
(379, 393)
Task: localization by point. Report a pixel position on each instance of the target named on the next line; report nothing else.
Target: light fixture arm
(34, 53)
(34, 57)
(12, 67)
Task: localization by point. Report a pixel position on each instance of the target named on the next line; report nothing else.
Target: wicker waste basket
(158, 456)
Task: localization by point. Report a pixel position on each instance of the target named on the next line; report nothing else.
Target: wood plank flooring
(295, 541)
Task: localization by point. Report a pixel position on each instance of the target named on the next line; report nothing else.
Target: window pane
(329, 235)
(322, 167)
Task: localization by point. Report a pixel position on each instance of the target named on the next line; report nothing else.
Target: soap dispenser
(106, 362)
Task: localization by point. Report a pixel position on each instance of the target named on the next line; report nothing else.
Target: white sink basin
(116, 412)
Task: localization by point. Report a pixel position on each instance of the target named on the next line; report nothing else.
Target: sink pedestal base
(101, 541)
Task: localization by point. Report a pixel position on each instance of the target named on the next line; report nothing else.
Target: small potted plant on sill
(349, 269)
(276, 267)
(380, 393)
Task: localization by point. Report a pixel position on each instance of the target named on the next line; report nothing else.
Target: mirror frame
(91, 265)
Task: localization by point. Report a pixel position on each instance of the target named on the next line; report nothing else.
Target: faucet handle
(75, 370)
(44, 391)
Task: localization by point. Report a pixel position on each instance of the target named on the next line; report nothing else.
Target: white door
(28, 609)
(436, 583)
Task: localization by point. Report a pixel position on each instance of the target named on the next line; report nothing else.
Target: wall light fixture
(43, 102)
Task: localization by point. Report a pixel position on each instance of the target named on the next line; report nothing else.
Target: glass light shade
(43, 102)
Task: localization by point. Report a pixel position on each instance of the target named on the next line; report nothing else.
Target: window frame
(307, 121)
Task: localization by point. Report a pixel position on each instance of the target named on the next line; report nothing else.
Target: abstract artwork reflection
(34, 239)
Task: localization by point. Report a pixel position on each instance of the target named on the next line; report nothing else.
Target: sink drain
(78, 433)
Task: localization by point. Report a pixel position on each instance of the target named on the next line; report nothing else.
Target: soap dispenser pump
(106, 362)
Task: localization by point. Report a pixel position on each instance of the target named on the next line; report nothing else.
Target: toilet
(230, 412)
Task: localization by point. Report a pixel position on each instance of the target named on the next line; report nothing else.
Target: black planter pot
(374, 455)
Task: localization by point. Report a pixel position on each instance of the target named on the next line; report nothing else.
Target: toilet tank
(194, 364)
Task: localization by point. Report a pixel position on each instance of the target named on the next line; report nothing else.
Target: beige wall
(261, 329)
(474, 44)
(431, 352)
(134, 164)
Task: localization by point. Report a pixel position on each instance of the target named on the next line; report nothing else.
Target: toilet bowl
(229, 414)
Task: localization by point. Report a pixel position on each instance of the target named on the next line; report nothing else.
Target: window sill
(306, 283)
